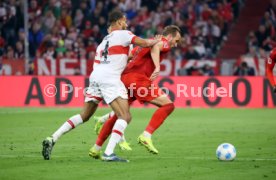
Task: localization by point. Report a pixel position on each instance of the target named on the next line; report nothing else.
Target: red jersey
(142, 62)
(270, 63)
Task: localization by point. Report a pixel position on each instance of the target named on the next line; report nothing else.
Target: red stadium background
(248, 92)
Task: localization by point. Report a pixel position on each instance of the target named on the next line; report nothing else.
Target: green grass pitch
(186, 142)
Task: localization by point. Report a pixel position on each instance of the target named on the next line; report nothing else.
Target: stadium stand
(73, 29)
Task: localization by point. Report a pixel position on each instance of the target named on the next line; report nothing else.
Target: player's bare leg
(166, 107)
(71, 123)
(121, 108)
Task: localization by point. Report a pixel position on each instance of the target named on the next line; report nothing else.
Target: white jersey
(112, 54)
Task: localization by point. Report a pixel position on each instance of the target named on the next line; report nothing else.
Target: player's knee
(85, 116)
(126, 116)
(170, 107)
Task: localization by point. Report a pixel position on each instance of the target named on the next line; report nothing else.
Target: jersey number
(105, 51)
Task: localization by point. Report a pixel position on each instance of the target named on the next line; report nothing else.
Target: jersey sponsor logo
(104, 62)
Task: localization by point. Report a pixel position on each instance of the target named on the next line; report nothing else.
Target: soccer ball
(226, 152)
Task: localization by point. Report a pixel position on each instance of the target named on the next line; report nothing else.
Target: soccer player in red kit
(138, 77)
(270, 63)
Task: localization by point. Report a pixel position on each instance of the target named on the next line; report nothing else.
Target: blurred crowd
(263, 39)
(71, 28)
(258, 42)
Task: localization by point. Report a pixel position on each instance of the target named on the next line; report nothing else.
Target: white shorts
(109, 91)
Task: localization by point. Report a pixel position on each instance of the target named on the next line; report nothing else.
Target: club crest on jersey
(165, 45)
(269, 60)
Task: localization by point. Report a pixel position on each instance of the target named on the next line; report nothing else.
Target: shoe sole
(146, 146)
(121, 161)
(94, 156)
(45, 150)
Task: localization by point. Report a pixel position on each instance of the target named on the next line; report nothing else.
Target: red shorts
(140, 87)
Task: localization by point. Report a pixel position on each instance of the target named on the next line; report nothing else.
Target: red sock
(106, 130)
(159, 116)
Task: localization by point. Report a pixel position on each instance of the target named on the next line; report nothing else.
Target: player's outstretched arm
(145, 42)
(155, 55)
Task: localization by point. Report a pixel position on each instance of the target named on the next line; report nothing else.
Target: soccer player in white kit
(105, 83)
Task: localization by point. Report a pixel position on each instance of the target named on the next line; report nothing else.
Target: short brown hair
(115, 16)
(172, 29)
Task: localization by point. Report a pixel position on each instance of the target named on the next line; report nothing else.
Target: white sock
(73, 122)
(97, 147)
(147, 134)
(123, 138)
(105, 117)
(117, 132)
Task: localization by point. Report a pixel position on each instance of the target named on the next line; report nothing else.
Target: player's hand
(155, 74)
(274, 89)
(158, 37)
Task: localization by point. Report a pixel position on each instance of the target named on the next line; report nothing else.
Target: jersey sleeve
(128, 37)
(270, 63)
